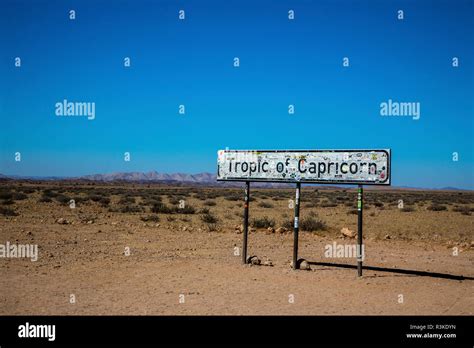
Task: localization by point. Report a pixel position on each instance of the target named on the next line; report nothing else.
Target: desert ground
(156, 249)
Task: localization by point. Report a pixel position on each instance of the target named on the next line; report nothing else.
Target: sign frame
(317, 182)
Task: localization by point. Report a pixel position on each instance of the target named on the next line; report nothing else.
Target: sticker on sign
(367, 167)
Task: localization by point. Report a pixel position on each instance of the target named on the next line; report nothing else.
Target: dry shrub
(310, 224)
(437, 207)
(263, 222)
(209, 218)
(8, 211)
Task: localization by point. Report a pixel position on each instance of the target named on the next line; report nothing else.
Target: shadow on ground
(396, 270)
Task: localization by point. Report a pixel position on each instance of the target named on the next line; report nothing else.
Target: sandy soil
(168, 259)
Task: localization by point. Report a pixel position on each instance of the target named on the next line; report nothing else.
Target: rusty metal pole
(296, 226)
(359, 229)
(246, 221)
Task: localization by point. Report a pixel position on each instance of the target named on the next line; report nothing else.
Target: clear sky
(190, 62)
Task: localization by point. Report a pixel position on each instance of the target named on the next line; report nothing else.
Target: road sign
(362, 167)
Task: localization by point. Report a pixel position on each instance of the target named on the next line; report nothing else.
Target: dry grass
(426, 215)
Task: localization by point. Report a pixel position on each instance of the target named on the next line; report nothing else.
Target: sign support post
(246, 221)
(296, 225)
(360, 250)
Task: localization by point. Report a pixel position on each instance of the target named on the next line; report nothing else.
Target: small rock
(281, 230)
(387, 236)
(89, 222)
(270, 230)
(185, 228)
(254, 260)
(348, 233)
(305, 266)
(62, 221)
(268, 263)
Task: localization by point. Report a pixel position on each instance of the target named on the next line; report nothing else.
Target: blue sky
(190, 62)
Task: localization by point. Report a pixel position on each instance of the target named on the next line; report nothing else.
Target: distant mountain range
(153, 176)
(206, 179)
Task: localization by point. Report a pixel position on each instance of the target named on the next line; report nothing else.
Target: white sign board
(368, 167)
